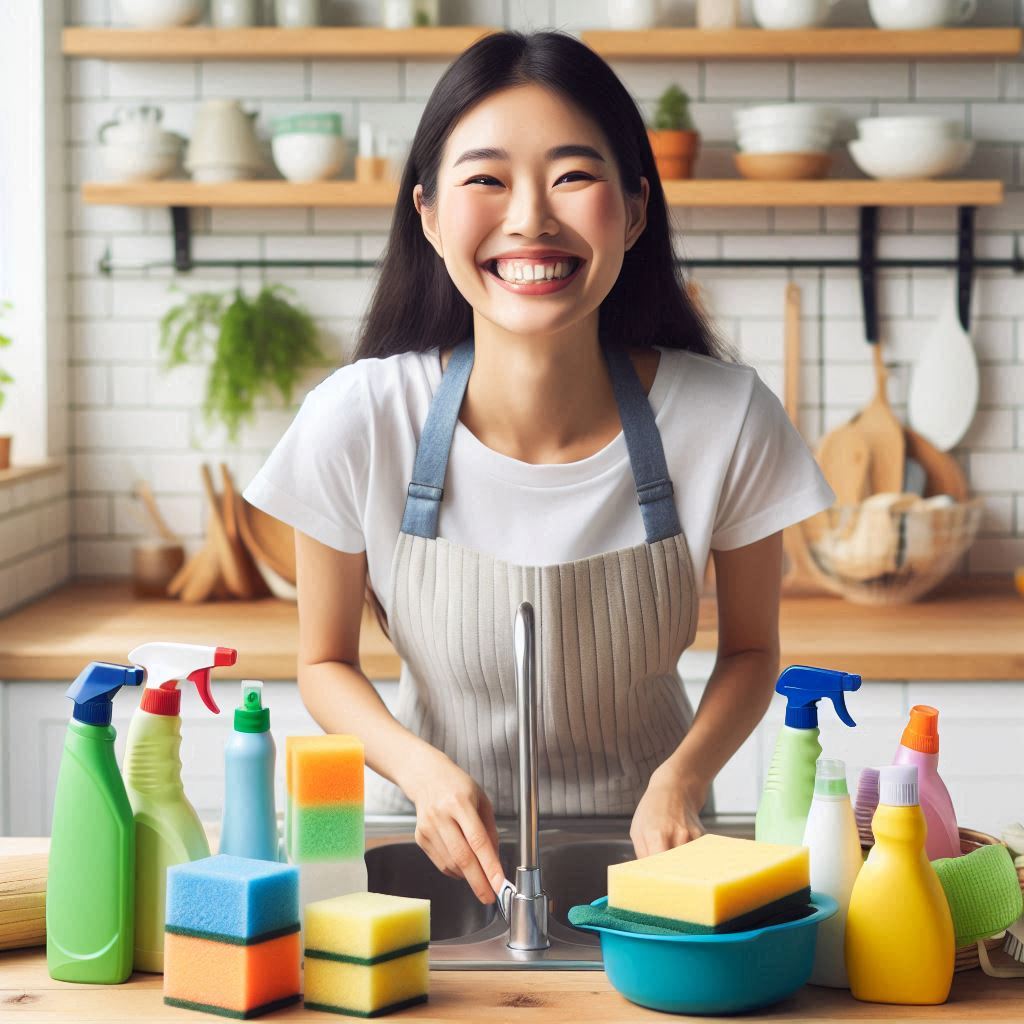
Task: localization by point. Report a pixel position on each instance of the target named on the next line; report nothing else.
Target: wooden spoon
(255, 584)
(146, 496)
(943, 474)
(883, 432)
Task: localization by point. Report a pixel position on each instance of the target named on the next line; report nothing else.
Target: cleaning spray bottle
(900, 945)
(90, 883)
(249, 825)
(920, 746)
(167, 828)
(834, 847)
(789, 788)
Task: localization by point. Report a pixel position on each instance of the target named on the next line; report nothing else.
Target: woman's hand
(455, 825)
(668, 814)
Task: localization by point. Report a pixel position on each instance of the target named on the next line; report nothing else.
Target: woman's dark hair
(416, 305)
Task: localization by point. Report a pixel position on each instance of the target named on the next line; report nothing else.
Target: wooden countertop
(971, 630)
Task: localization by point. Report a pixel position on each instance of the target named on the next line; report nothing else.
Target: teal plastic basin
(713, 974)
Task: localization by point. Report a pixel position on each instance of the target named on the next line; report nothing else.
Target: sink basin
(466, 934)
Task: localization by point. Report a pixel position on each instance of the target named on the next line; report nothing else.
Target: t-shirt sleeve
(316, 476)
(773, 480)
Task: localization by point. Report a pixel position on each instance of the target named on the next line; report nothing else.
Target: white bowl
(926, 158)
(809, 114)
(133, 163)
(308, 156)
(784, 140)
(160, 13)
(906, 127)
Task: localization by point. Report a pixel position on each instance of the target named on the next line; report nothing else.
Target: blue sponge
(233, 899)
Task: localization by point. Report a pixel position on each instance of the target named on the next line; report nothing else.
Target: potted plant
(674, 139)
(256, 346)
(5, 378)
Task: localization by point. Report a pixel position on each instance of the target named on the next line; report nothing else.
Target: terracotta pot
(674, 153)
(5, 451)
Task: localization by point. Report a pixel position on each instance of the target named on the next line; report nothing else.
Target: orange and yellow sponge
(232, 944)
(366, 954)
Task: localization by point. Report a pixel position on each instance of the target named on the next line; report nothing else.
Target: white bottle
(833, 841)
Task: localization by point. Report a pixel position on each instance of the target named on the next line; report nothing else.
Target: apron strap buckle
(657, 490)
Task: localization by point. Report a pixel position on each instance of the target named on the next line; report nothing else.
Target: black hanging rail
(867, 263)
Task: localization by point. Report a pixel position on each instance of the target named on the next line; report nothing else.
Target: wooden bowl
(270, 542)
(782, 166)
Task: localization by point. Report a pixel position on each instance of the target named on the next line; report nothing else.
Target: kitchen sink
(466, 934)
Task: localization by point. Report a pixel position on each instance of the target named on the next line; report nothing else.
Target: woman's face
(528, 176)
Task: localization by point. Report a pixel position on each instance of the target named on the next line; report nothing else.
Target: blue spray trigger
(93, 691)
(803, 686)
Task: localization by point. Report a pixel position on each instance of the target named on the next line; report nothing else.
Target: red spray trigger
(201, 676)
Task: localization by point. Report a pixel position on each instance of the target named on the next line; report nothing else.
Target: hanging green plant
(258, 345)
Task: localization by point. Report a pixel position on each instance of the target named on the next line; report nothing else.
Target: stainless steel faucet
(525, 904)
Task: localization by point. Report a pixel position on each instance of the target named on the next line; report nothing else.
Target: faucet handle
(505, 894)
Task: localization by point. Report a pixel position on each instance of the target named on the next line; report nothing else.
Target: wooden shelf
(696, 192)
(446, 41)
(807, 44)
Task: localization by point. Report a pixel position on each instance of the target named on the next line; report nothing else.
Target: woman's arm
(736, 698)
(455, 821)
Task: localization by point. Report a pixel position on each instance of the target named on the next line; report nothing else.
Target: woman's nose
(529, 213)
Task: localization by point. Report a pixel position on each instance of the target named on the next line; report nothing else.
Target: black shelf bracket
(181, 226)
(965, 263)
(868, 264)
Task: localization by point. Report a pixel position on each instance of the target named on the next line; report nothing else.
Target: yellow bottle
(899, 932)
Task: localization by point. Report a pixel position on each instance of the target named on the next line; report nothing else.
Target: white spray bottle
(167, 828)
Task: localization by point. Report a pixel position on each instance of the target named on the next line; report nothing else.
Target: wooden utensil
(801, 574)
(145, 494)
(256, 586)
(154, 566)
(268, 539)
(943, 474)
(231, 565)
(883, 432)
(205, 573)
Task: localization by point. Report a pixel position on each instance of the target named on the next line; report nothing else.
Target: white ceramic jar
(233, 13)
(297, 13)
(792, 14)
(717, 14)
(631, 15)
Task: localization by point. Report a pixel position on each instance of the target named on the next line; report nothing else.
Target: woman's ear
(428, 219)
(636, 213)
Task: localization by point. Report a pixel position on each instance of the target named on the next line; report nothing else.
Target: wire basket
(889, 549)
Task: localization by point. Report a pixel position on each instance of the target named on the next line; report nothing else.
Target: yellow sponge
(367, 925)
(709, 880)
(366, 953)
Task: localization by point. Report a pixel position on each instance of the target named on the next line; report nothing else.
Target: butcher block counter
(971, 630)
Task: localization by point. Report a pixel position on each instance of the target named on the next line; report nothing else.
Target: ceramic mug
(910, 14)
(630, 15)
(297, 13)
(233, 13)
(134, 126)
(792, 14)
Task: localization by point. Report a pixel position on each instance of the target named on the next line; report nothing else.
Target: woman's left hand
(668, 814)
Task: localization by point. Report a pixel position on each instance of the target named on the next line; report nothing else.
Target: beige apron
(610, 631)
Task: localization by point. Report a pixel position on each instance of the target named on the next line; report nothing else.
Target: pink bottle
(920, 746)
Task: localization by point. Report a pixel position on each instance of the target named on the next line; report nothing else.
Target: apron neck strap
(643, 442)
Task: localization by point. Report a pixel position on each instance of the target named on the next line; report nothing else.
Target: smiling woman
(537, 413)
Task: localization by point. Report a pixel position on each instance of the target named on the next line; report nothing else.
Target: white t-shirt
(342, 469)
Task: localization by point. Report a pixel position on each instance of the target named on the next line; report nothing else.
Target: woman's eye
(570, 174)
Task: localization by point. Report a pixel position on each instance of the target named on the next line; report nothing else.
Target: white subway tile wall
(129, 418)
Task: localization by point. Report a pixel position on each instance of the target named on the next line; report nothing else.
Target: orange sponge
(231, 980)
(324, 769)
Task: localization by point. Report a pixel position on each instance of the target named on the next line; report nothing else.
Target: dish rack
(881, 554)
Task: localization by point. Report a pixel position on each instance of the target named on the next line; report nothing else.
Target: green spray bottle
(90, 884)
(167, 829)
(789, 788)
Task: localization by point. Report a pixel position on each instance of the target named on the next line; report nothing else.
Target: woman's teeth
(517, 272)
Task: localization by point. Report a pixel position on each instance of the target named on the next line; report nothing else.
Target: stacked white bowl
(910, 147)
(785, 128)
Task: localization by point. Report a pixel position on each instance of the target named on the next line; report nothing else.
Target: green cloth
(983, 892)
(788, 908)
